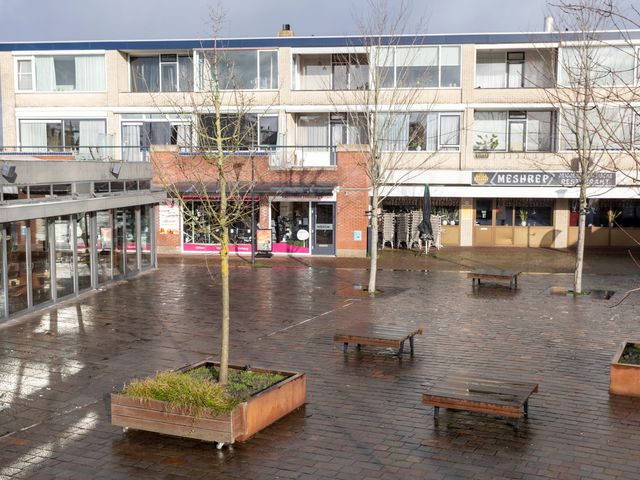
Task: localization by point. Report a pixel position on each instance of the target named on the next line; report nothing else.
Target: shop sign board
(541, 179)
(263, 240)
(169, 220)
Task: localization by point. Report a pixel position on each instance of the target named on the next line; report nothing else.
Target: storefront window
(201, 234)
(146, 212)
(104, 245)
(17, 266)
(132, 240)
(523, 212)
(63, 235)
(40, 275)
(83, 251)
(118, 243)
(483, 211)
(604, 212)
(290, 226)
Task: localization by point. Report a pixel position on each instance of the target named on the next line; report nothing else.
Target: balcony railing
(80, 153)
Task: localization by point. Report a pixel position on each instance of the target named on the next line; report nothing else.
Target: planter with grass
(625, 370)
(189, 403)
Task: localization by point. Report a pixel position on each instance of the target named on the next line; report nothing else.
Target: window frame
(394, 48)
(190, 54)
(521, 116)
(62, 121)
(31, 57)
(439, 146)
(201, 66)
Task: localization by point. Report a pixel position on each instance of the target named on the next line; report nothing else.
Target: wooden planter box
(249, 417)
(624, 377)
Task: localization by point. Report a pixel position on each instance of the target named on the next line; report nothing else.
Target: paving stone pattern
(364, 418)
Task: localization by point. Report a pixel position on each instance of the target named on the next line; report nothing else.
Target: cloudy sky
(32, 20)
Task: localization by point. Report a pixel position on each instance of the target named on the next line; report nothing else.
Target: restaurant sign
(541, 179)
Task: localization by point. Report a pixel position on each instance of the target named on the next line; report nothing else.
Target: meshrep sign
(541, 179)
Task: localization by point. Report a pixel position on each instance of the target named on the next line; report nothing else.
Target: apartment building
(480, 130)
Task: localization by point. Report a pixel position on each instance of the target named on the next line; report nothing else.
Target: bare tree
(591, 124)
(220, 139)
(380, 90)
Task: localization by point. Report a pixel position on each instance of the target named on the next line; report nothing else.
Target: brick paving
(364, 417)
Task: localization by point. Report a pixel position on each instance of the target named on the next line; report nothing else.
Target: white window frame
(554, 131)
(197, 85)
(34, 73)
(31, 59)
(59, 120)
(395, 68)
(449, 148)
(160, 62)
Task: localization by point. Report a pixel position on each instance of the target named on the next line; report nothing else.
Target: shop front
(302, 225)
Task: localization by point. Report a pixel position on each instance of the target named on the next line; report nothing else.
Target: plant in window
(612, 215)
(524, 215)
(486, 142)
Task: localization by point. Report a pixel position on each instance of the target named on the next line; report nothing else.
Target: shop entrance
(482, 230)
(323, 236)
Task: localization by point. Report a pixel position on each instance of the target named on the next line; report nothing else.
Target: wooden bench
(484, 274)
(496, 397)
(379, 336)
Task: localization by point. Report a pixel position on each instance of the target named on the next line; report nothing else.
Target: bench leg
(516, 424)
(358, 347)
(345, 346)
(515, 281)
(401, 350)
(411, 343)
(473, 282)
(511, 284)
(436, 411)
(526, 409)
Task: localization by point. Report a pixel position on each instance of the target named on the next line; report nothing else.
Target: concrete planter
(248, 418)
(624, 377)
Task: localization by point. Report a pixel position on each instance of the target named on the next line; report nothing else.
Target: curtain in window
(538, 69)
(44, 74)
(92, 134)
(185, 81)
(487, 124)
(145, 74)
(539, 131)
(34, 135)
(417, 67)
(183, 135)
(491, 69)
(268, 70)
(90, 73)
(449, 131)
(131, 143)
(313, 130)
(393, 131)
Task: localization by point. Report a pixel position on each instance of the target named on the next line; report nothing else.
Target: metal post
(253, 216)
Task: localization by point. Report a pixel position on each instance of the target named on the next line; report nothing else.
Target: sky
(51, 20)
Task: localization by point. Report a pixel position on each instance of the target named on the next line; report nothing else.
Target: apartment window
(607, 128)
(150, 129)
(520, 69)
(168, 72)
(61, 73)
(515, 69)
(25, 75)
(607, 66)
(514, 131)
(239, 69)
(53, 135)
(428, 131)
(350, 72)
(253, 131)
(417, 67)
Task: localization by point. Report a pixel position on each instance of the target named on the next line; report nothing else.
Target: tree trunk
(224, 274)
(373, 262)
(582, 226)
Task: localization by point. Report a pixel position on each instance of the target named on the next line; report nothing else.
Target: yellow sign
(480, 178)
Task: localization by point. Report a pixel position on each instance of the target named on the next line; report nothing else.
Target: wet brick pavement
(364, 417)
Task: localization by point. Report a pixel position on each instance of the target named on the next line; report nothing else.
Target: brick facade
(347, 180)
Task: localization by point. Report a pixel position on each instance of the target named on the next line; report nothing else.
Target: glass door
(483, 229)
(323, 215)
